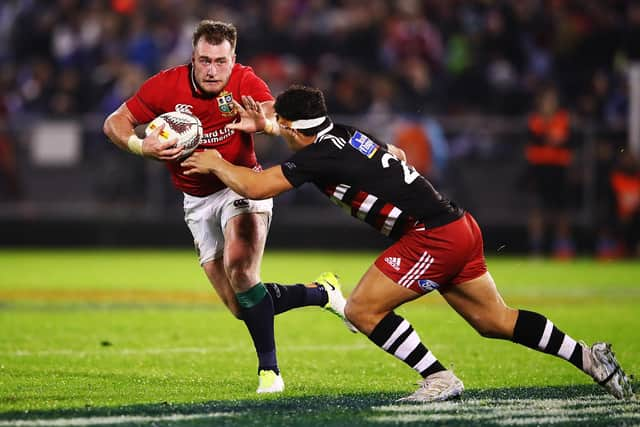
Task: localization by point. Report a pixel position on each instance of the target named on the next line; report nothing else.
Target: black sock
(286, 297)
(257, 314)
(537, 332)
(396, 336)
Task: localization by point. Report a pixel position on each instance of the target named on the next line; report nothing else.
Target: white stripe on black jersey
(338, 142)
(358, 173)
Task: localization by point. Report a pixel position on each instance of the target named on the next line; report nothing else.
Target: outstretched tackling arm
(247, 182)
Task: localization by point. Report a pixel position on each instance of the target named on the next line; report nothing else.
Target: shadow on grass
(557, 405)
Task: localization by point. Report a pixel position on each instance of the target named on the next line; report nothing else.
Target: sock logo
(275, 288)
(324, 284)
(393, 262)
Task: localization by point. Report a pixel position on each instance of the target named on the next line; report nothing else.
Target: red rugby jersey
(174, 90)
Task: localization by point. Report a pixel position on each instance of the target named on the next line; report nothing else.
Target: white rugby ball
(187, 128)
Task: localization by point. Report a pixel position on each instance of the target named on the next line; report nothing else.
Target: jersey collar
(323, 132)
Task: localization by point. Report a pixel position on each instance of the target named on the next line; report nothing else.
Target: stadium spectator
(9, 182)
(607, 243)
(229, 230)
(408, 33)
(424, 145)
(350, 95)
(625, 182)
(437, 245)
(549, 155)
(476, 56)
(67, 98)
(465, 58)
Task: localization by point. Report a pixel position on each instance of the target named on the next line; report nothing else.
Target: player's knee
(361, 316)
(349, 311)
(487, 330)
(241, 275)
(494, 326)
(354, 312)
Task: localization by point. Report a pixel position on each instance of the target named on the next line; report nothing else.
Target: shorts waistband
(438, 221)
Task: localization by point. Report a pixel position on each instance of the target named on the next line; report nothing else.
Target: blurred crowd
(73, 56)
(373, 58)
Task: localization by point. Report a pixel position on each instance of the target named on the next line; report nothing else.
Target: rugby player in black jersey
(437, 245)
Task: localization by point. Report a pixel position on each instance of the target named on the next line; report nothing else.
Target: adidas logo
(393, 262)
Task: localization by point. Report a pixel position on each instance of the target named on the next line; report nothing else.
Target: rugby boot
(601, 363)
(336, 303)
(269, 382)
(438, 387)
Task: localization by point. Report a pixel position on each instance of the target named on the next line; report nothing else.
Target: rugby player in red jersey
(437, 245)
(229, 230)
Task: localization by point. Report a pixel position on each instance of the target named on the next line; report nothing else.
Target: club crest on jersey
(225, 104)
(427, 285)
(363, 144)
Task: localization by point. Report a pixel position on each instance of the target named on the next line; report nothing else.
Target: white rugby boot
(269, 382)
(600, 362)
(336, 303)
(438, 387)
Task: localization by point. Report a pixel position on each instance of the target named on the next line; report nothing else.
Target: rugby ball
(187, 128)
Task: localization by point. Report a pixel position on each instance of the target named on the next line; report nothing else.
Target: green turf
(89, 334)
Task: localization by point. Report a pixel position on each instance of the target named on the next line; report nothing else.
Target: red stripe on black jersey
(329, 190)
(382, 216)
(357, 173)
(356, 202)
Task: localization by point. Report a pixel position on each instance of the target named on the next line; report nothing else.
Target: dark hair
(300, 102)
(215, 32)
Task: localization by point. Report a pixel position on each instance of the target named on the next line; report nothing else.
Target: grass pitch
(138, 338)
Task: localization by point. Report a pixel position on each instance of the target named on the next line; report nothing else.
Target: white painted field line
(513, 412)
(110, 351)
(111, 420)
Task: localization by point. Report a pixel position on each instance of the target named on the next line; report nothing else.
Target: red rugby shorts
(427, 259)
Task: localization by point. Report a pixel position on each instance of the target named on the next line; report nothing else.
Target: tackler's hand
(202, 162)
(250, 114)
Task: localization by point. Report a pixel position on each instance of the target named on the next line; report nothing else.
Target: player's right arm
(247, 182)
(119, 128)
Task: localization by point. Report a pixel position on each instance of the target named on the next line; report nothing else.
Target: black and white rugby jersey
(358, 173)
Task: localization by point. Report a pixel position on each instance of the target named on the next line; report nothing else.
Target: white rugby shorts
(207, 218)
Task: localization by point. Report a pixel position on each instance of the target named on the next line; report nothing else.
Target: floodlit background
(452, 82)
(105, 316)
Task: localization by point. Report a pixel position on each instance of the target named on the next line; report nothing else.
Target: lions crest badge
(225, 104)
